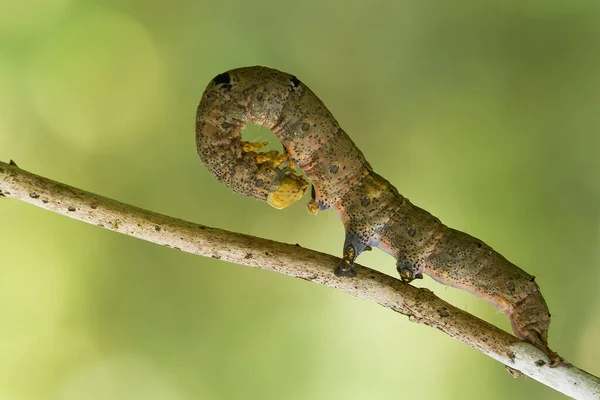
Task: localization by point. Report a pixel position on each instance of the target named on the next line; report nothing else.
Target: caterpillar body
(372, 210)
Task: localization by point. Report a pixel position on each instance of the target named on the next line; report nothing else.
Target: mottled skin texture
(373, 212)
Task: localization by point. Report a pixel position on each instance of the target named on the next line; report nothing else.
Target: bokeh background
(486, 113)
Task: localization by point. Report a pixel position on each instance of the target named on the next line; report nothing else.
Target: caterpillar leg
(313, 206)
(530, 321)
(408, 271)
(353, 246)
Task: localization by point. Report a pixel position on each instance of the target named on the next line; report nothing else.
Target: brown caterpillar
(372, 210)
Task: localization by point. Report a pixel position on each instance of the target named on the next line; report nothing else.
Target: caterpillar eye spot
(259, 182)
(334, 169)
(365, 202)
(259, 96)
(295, 81)
(305, 126)
(223, 78)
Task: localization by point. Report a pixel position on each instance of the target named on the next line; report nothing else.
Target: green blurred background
(483, 112)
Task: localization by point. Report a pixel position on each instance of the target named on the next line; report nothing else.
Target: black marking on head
(295, 81)
(223, 78)
(259, 182)
(334, 169)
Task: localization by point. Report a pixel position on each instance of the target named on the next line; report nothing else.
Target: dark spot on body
(540, 363)
(157, 228)
(226, 125)
(443, 312)
(365, 202)
(334, 169)
(532, 279)
(13, 163)
(223, 78)
(297, 245)
(259, 182)
(511, 355)
(248, 256)
(305, 126)
(216, 257)
(511, 287)
(267, 253)
(412, 231)
(202, 227)
(478, 244)
(34, 195)
(295, 81)
(94, 206)
(71, 208)
(45, 201)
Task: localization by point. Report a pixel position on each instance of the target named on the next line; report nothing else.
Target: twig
(420, 305)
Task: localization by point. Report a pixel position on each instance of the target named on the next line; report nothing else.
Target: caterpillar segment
(374, 214)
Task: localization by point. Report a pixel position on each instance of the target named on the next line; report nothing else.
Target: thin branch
(420, 305)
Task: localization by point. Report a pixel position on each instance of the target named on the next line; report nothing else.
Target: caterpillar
(372, 210)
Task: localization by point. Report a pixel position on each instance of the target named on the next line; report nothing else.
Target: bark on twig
(420, 305)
